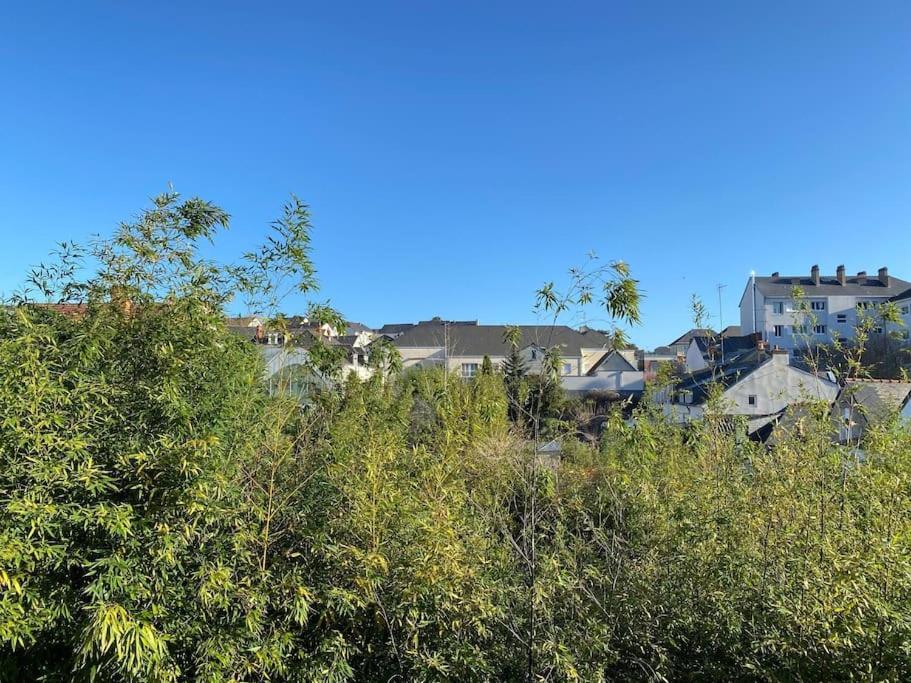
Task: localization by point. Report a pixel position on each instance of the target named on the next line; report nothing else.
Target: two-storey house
(461, 347)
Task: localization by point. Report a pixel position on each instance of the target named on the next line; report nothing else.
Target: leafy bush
(163, 519)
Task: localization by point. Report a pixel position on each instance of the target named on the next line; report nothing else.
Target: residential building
(650, 361)
(705, 352)
(865, 402)
(617, 371)
(834, 305)
(758, 387)
(903, 303)
(461, 346)
(680, 345)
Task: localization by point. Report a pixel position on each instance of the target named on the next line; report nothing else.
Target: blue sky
(456, 155)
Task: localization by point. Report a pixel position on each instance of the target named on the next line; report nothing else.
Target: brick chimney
(884, 276)
(814, 275)
(840, 275)
(862, 277)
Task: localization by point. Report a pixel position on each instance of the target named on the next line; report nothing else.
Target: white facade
(762, 393)
(828, 316)
(695, 359)
(464, 365)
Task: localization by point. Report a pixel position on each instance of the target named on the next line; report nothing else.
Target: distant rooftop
(881, 284)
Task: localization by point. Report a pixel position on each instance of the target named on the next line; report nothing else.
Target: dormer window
(534, 354)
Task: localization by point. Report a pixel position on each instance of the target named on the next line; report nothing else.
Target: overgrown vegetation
(163, 519)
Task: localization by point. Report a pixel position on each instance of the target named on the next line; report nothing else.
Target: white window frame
(469, 370)
(778, 331)
(819, 329)
(567, 368)
(752, 400)
(817, 305)
(778, 307)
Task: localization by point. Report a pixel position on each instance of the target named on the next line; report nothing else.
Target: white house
(616, 371)
(835, 302)
(757, 388)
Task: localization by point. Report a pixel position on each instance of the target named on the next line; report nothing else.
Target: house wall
(775, 386)
(413, 355)
(694, 358)
(789, 318)
(747, 305)
(589, 358)
(434, 356)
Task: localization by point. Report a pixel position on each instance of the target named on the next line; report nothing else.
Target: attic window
(534, 354)
(751, 399)
(841, 318)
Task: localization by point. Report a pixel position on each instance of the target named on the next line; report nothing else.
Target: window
(841, 318)
(778, 307)
(469, 369)
(818, 305)
(779, 330)
(877, 330)
(534, 354)
(567, 368)
(906, 309)
(801, 329)
(751, 399)
(819, 329)
(864, 305)
(685, 397)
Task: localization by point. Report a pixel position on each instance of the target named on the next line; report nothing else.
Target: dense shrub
(163, 519)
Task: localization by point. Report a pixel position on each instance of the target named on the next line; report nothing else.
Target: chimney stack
(862, 277)
(840, 275)
(814, 275)
(780, 356)
(775, 274)
(884, 276)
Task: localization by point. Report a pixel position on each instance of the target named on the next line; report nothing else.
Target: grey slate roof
(731, 331)
(902, 296)
(727, 376)
(781, 286)
(687, 337)
(487, 340)
(877, 399)
(395, 328)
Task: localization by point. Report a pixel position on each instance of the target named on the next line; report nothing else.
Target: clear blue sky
(457, 154)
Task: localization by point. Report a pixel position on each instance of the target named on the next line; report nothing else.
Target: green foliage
(163, 519)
